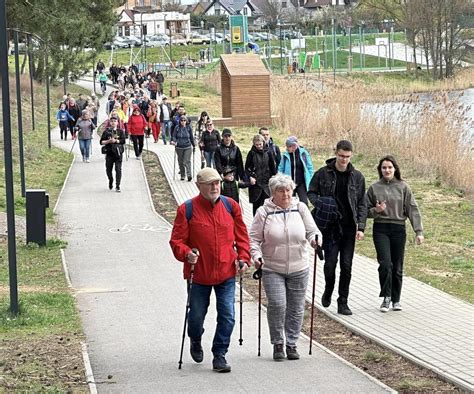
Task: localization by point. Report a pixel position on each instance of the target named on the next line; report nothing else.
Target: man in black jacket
(340, 181)
(274, 149)
(113, 140)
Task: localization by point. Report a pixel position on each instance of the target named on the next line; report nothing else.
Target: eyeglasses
(209, 124)
(345, 157)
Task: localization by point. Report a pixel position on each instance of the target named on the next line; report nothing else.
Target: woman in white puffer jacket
(280, 231)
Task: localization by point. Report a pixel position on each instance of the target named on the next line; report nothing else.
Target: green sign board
(302, 60)
(239, 32)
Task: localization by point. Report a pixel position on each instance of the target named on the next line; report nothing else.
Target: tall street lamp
(281, 53)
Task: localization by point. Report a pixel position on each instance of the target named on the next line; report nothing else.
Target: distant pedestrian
(222, 246)
(113, 139)
(75, 113)
(85, 129)
(296, 162)
(337, 191)
(154, 120)
(136, 127)
(63, 117)
(165, 119)
(280, 231)
(390, 202)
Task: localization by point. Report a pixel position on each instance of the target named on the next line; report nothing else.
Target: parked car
(196, 38)
(156, 41)
(179, 39)
(117, 42)
(132, 40)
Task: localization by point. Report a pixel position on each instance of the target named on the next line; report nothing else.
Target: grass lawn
(41, 347)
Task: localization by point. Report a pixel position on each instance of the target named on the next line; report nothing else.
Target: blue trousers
(199, 303)
(85, 146)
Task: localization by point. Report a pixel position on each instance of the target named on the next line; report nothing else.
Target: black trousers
(257, 204)
(389, 241)
(302, 193)
(110, 161)
(342, 245)
(137, 144)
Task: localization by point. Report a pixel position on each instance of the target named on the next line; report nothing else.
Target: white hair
(280, 181)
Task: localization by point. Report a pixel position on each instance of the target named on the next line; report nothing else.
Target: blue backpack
(189, 207)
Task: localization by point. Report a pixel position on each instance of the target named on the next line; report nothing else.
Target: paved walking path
(434, 330)
(131, 298)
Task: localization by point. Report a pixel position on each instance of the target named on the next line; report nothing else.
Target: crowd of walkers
(209, 235)
(281, 186)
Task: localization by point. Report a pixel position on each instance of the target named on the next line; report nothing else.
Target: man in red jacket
(223, 243)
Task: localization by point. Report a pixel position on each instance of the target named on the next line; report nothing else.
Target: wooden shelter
(245, 87)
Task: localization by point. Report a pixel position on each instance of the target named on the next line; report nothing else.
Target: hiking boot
(196, 350)
(292, 353)
(343, 309)
(385, 307)
(278, 353)
(326, 298)
(219, 364)
(397, 306)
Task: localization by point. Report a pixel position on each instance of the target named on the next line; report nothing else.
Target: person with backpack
(136, 128)
(296, 162)
(113, 140)
(279, 234)
(182, 139)
(217, 255)
(85, 127)
(154, 120)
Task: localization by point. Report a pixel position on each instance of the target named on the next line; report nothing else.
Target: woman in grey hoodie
(390, 202)
(279, 235)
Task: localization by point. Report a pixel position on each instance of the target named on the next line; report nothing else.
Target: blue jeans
(198, 304)
(166, 130)
(85, 146)
(209, 156)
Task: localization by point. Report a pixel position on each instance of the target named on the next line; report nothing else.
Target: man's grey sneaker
(326, 298)
(343, 309)
(219, 364)
(196, 350)
(278, 352)
(385, 307)
(397, 306)
(292, 353)
(117, 189)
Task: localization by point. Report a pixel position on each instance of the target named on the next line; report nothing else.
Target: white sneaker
(385, 307)
(88, 161)
(397, 306)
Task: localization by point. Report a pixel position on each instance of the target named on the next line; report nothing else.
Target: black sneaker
(278, 352)
(292, 353)
(190, 178)
(326, 298)
(343, 309)
(196, 350)
(111, 185)
(117, 189)
(219, 364)
(182, 178)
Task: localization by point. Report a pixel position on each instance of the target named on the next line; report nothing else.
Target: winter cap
(208, 175)
(226, 132)
(113, 118)
(228, 170)
(291, 140)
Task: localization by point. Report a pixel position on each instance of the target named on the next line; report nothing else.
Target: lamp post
(30, 62)
(7, 147)
(334, 49)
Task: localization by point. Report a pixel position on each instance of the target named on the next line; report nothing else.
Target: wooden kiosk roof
(243, 64)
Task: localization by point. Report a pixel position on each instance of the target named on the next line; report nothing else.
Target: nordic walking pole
(190, 286)
(317, 252)
(194, 160)
(72, 147)
(174, 164)
(257, 275)
(241, 265)
(146, 141)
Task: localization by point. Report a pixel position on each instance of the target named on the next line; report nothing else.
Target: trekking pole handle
(319, 250)
(258, 273)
